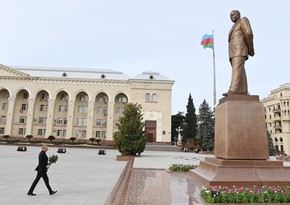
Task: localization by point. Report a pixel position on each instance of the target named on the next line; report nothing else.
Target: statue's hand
(251, 53)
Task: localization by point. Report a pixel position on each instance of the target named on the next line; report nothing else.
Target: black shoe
(53, 192)
(31, 194)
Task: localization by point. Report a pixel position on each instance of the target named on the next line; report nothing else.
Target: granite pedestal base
(241, 148)
(247, 173)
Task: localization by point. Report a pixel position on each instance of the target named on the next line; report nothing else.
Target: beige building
(81, 103)
(277, 114)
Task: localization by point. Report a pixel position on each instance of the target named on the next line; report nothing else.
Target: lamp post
(200, 123)
(179, 136)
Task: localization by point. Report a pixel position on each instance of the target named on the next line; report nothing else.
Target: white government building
(81, 103)
(277, 115)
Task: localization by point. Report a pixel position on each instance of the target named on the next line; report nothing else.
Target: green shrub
(98, 141)
(51, 138)
(29, 137)
(73, 139)
(6, 137)
(92, 139)
(181, 167)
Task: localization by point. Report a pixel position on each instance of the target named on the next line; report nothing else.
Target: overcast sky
(133, 36)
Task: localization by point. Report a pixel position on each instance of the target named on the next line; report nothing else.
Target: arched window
(154, 97)
(281, 140)
(147, 97)
(276, 140)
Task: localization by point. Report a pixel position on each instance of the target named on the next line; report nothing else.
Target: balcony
(277, 119)
(277, 110)
(286, 118)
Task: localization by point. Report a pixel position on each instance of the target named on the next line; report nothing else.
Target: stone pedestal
(240, 131)
(241, 148)
(247, 173)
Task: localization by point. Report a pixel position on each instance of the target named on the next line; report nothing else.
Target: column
(110, 121)
(10, 114)
(29, 116)
(90, 120)
(50, 118)
(70, 118)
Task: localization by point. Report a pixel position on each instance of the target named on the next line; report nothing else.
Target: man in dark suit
(41, 172)
(240, 47)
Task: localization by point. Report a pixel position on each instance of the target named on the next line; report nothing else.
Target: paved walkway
(82, 177)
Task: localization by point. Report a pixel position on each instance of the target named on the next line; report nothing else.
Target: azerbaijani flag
(207, 41)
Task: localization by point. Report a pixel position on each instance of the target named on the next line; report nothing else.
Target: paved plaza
(82, 177)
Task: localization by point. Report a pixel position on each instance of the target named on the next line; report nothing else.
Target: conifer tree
(206, 126)
(190, 119)
(270, 144)
(131, 139)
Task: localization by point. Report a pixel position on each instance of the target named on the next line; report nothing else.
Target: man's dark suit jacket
(42, 162)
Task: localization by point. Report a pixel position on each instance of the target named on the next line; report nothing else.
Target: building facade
(81, 103)
(277, 115)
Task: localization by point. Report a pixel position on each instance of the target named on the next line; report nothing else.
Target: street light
(179, 136)
(200, 123)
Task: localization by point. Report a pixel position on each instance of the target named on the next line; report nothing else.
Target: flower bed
(218, 194)
(181, 167)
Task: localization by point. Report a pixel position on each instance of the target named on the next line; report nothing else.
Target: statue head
(235, 15)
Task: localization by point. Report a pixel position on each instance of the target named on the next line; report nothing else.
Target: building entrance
(150, 130)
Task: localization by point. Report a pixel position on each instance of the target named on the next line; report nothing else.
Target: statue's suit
(240, 46)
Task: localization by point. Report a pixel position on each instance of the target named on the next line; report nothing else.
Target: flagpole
(214, 76)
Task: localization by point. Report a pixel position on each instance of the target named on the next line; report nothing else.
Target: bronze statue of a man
(240, 47)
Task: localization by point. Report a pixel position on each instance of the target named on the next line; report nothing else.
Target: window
(151, 98)
(117, 123)
(122, 99)
(41, 132)
(22, 120)
(44, 96)
(24, 107)
(25, 95)
(101, 122)
(61, 133)
(61, 121)
(147, 97)
(43, 107)
(100, 134)
(4, 106)
(119, 110)
(84, 98)
(3, 119)
(154, 97)
(81, 133)
(102, 110)
(5, 95)
(103, 99)
(81, 121)
(2, 130)
(63, 97)
(21, 131)
(83, 109)
(42, 120)
(63, 108)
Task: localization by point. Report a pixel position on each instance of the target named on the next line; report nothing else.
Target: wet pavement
(159, 187)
